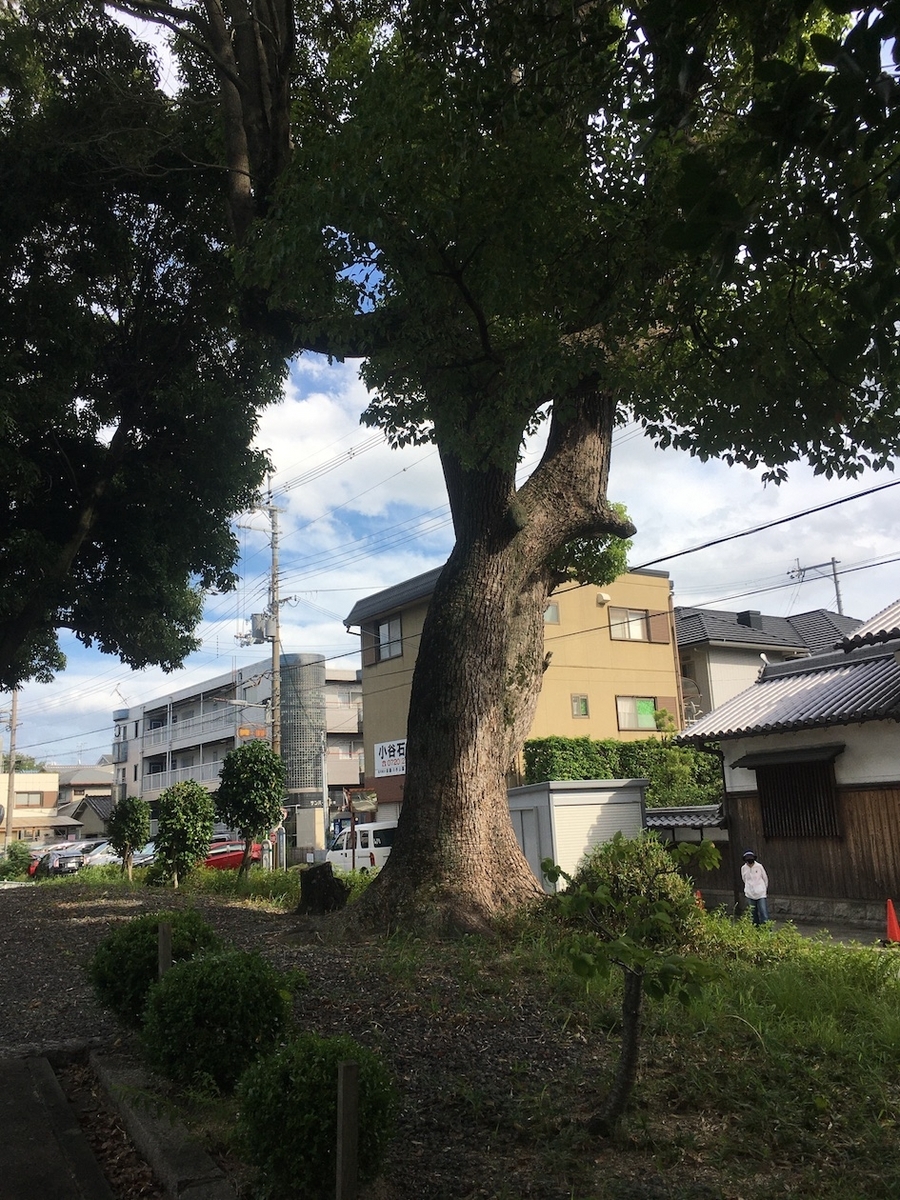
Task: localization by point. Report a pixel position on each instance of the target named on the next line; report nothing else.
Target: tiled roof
(883, 627)
(79, 776)
(102, 806)
(822, 630)
(813, 631)
(696, 816)
(810, 693)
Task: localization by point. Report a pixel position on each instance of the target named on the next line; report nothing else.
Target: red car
(231, 854)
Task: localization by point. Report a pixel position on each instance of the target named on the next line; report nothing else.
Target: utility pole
(800, 572)
(267, 626)
(326, 808)
(11, 778)
(275, 612)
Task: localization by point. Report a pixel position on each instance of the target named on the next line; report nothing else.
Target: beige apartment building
(614, 664)
(35, 814)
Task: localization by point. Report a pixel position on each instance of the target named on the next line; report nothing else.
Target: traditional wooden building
(811, 762)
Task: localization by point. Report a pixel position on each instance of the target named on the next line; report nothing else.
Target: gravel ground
(489, 1079)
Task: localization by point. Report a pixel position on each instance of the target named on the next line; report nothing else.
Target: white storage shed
(565, 818)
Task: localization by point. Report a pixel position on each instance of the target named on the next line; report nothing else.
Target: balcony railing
(201, 772)
(194, 727)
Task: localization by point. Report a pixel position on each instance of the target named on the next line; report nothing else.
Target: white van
(366, 848)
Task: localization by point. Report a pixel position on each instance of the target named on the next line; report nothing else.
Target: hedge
(678, 775)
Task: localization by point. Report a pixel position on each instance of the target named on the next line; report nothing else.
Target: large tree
(529, 211)
(128, 390)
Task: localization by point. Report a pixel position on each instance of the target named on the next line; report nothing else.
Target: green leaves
(128, 828)
(128, 390)
(251, 789)
(627, 907)
(186, 816)
(678, 774)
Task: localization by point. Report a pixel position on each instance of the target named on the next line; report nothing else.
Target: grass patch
(782, 1078)
(278, 889)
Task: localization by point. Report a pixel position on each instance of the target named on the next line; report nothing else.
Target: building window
(389, 639)
(551, 614)
(798, 800)
(628, 625)
(580, 706)
(636, 712)
(29, 799)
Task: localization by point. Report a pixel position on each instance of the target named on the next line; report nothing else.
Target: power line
(768, 525)
(868, 566)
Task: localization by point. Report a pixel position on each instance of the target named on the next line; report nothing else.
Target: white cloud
(369, 522)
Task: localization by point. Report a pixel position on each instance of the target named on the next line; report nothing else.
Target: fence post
(347, 1131)
(165, 947)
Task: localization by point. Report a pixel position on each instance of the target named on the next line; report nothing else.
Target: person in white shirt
(756, 887)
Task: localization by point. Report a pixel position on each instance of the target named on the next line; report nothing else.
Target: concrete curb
(45, 1152)
(177, 1159)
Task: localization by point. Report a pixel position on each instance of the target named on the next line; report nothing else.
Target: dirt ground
(494, 1082)
(467, 1060)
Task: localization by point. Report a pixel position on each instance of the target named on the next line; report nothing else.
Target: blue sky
(359, 517)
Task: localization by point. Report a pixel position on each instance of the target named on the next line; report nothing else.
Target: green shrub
(287, 1118)
(15, 862)
(629, 878)
(356, 881)
(207, 1019)
(677, 774)
(126, 963)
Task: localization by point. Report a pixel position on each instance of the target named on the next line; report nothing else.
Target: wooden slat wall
(863, 864)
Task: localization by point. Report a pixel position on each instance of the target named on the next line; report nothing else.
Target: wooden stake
(165, 947)
(347, 1131)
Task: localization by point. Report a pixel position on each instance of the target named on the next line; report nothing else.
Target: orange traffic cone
(893, 925)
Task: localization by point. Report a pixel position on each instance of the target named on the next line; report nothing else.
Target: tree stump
(320, 892)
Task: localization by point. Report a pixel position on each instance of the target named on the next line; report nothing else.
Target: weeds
(780, 1079)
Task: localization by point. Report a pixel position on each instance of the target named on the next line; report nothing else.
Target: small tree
(186, 818)
(15, 860)
(128, 828)
(251, 792)
(629, 907)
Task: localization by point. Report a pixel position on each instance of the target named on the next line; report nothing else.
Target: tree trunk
(245, 858)
(456, 862)
(456, 854)
(604, 1123)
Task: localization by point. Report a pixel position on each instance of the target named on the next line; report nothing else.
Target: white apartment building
(186, 735)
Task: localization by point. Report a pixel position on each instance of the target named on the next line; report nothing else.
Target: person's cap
(749, 854)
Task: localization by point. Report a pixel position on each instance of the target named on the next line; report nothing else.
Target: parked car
(145, 856)
(90, 853)
(38, 852)
(366, 848)
(224, 855)
(60, 861)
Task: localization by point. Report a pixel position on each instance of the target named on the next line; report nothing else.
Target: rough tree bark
(456, 861)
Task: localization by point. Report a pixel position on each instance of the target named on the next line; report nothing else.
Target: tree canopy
(524, 212)
(251, 792)
(128, 391)
(186, 815)
(128, 827)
